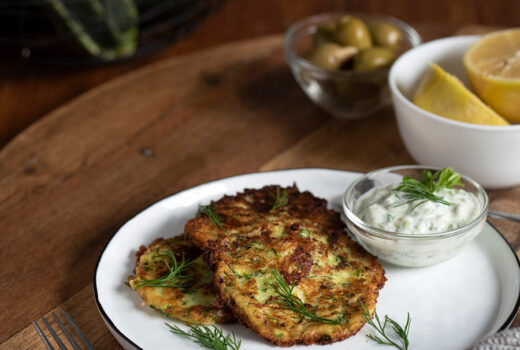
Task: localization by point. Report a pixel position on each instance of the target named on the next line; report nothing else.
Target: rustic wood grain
(356, 145)
(70, 180)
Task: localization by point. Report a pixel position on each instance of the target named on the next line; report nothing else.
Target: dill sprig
(208, 337)
(292, 302)
(213, 217)
(174, 278)
(423, 190)
(401, 332)
(280, 199)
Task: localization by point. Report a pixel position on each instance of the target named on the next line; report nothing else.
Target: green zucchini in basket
(107, 29)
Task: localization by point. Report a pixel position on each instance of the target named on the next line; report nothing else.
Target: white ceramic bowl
(488, 154)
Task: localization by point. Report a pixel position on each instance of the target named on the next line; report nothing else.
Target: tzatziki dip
(386, 209)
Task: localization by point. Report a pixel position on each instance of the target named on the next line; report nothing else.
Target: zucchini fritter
(195, 301)
(248, 210)
(331, 274)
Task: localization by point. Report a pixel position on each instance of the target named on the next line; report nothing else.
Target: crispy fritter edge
(194, 225)
(218, 303)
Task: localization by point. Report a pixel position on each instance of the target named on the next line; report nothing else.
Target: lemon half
(493, 68)
(444, 94)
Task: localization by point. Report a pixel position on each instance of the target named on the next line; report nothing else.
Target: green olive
(373, 58)
(344, 20)
(385, 34)
(351, 31)
(324, 33)
(330, 55)
(327, 28)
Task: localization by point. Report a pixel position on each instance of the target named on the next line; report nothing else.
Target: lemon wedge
(444, 94)
(493, 68)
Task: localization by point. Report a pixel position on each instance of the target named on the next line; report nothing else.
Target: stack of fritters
(272, 248)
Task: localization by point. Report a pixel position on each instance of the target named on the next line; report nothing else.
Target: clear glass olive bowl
(343, 93)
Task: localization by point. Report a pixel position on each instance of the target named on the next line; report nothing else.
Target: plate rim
(514, 312)
(113, 327)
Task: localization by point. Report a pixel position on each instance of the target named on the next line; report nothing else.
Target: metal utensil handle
(504, 215)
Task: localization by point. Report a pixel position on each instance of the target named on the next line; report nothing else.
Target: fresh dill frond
(416, 191)
(174, 278)
(280, 199)
(213, 217)
(292, 302)
(208, 337)
(234, 272)
(423, 191)
(447, 179)
(385, 339)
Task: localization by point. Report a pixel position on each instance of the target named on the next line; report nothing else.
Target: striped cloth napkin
(505, 340)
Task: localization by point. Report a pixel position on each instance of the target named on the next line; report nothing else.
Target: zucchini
(107, 29)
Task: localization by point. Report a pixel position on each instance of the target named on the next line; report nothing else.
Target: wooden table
(68, 182)
(47, 88)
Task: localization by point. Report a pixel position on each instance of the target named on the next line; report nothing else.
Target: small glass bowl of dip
(409, 249)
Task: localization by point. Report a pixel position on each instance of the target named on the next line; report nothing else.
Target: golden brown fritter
(331, 275)
(252, 208)
(195, 303)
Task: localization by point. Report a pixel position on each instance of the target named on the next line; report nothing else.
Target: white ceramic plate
(452, 304)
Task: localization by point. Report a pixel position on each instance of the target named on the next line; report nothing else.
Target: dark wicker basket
(30, 30)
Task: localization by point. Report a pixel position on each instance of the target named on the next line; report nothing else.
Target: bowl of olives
(341, 61)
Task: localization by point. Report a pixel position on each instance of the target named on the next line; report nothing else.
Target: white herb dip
(382, 207)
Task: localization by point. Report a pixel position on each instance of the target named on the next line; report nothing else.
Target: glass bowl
(344, 94)
(409, 249)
